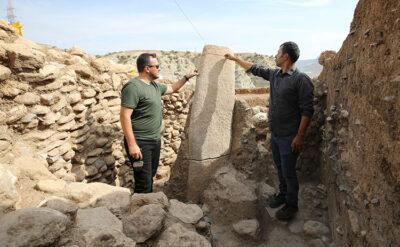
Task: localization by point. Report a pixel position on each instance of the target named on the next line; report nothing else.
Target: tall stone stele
(211, 118)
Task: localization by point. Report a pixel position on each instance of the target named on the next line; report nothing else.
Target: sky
(100, 26)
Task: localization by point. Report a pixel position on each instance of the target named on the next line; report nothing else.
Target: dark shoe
(286, 213)
(277, 200)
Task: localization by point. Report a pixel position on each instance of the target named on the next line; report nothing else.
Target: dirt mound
(362, 133)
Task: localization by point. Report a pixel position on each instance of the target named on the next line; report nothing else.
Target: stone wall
(65, 104)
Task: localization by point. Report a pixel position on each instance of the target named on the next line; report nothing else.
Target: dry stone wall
(66, 104)
(361, 134)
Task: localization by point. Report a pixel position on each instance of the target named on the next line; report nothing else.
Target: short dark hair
(292, 49)
(144, 60)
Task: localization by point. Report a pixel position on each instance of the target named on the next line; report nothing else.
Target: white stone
(247, 228)
(9, 196)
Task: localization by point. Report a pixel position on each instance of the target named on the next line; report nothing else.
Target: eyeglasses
(157, 66)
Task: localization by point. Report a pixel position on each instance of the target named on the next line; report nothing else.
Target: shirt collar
(290, 71)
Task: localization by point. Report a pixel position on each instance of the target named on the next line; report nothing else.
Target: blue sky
(100, 26)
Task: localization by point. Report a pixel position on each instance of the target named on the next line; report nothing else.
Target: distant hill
(174, 64)
(310, 66)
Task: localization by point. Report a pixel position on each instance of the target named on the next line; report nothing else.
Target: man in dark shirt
(289, 114)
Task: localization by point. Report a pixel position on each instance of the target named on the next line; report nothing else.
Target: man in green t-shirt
(141, 117)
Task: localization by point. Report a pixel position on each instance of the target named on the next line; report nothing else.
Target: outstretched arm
(177, 85)
(244, 64)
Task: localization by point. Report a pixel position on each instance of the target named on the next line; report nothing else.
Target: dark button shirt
(291, 96)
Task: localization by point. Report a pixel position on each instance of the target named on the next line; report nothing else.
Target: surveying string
(187, 18)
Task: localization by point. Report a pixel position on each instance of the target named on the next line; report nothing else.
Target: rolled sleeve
(260, 71)
(306, 96)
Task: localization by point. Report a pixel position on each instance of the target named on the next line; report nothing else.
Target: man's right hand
(230, 56)
(135, 152)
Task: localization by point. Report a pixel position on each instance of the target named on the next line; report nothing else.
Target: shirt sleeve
(260, 71)
(162, 87)
(306, 95)
(129, 96)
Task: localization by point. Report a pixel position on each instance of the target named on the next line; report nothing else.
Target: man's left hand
(297, 143)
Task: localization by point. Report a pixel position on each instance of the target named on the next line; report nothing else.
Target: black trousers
(144, 175)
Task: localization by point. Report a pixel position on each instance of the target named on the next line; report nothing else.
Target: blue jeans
(285, 161)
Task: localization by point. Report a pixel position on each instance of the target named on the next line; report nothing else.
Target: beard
(154, 77)
(277, 63)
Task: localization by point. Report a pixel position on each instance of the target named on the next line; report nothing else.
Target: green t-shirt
(145, 100)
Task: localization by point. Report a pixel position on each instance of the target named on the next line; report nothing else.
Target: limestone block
(111, 94)
(77, 51)
(66, 119)
(213, 103)
(57, 84)
(28, 118)
(79, 107)
(89, 93)
(68, 126)
(59, 105)
(22, 56)
(247, 228)
(9, 90)
(84, 193)
(88, 102)
(4, 73)
(31, 167)
(39, 135)
(28, 98)
(73, 98)
(100, 64)
(82, 70)
(56, 165)
(40, 110)
(9, 196)
(50, 118)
